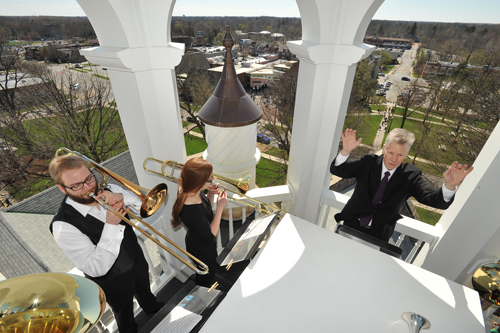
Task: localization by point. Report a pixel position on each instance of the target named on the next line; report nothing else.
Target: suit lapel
(375, 177)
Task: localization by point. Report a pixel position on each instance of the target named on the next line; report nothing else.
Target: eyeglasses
(78, 186)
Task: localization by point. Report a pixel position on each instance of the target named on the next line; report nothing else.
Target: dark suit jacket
(406, 182)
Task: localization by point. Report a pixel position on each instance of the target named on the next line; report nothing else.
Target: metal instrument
(50, 302)
(486, 281)
(241, 185)
(151, 201)
(416, 322)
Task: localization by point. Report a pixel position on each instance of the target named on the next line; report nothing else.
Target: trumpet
(241, 185)
(151, 202)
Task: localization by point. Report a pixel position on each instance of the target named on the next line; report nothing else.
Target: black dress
(200, 241)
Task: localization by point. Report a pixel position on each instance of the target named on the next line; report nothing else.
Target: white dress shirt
(93, 260)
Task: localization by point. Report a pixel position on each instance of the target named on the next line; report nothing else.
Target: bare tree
(411, 98)
(278, 106)
(194, 85)
(82, 117)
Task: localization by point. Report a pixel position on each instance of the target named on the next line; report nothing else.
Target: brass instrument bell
(50, 302)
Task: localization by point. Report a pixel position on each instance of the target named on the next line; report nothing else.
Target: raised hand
(349, 142)
(455, 174)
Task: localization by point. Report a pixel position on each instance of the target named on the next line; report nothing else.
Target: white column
(140, 61)
(469, 231)
(332, 33)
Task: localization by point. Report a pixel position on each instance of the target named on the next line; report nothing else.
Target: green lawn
(276, 152)
(194, 144)
(268, 173)
(388, 68)
(427, 216)
(377, 107)
(369, 135)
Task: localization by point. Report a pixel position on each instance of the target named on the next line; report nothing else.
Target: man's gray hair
(400, 136)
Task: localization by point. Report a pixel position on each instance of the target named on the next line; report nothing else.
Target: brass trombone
(242, 184)
(151, 202)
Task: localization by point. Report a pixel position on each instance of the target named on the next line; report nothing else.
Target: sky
(467, 11)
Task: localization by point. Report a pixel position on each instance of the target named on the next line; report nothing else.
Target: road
(405, 68)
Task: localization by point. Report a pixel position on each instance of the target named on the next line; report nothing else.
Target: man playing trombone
(98, 243)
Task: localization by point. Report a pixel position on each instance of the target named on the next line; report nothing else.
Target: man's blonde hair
(400, 136)
(62, 163)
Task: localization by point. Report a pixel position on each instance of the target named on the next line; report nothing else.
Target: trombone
(151, 202)
(242, 184)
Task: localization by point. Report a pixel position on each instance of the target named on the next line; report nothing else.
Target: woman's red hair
(195, 173)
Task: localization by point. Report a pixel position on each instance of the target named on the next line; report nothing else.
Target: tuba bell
(50, 302)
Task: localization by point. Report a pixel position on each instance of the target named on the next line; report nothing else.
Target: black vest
(92, 228)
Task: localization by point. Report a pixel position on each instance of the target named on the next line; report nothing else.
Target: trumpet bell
(50, 302)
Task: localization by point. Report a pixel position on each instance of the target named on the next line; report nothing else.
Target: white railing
(419, 232)
(274, 196)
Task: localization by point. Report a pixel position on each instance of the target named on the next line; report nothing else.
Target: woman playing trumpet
(194, 209)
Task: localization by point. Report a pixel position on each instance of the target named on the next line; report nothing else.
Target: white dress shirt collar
(384, 170)
(81, 208)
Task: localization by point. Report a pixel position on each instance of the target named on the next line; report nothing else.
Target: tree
(410, 99)
(363, 86)
(84, 120)
(194, 85)
(278, 106)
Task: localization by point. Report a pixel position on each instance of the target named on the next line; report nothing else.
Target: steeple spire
(229, 105)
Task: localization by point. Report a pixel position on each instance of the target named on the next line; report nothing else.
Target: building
(388, 43)
(284, 53)
(444, 68)
(321, 276)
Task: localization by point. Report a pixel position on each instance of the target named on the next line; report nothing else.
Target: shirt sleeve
(93, 260)
(448, 194)
(340, 159)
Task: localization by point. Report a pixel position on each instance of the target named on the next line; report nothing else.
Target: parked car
(75, 86)
(263, 139)
(381, 74)
(405, 78)
(78, 66)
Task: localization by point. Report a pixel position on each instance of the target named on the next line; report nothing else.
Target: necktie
(376, 198)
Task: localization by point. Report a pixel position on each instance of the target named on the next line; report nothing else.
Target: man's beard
(85, 200)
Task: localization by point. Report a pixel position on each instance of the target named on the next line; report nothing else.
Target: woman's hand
(213, 189)
(222, 200)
